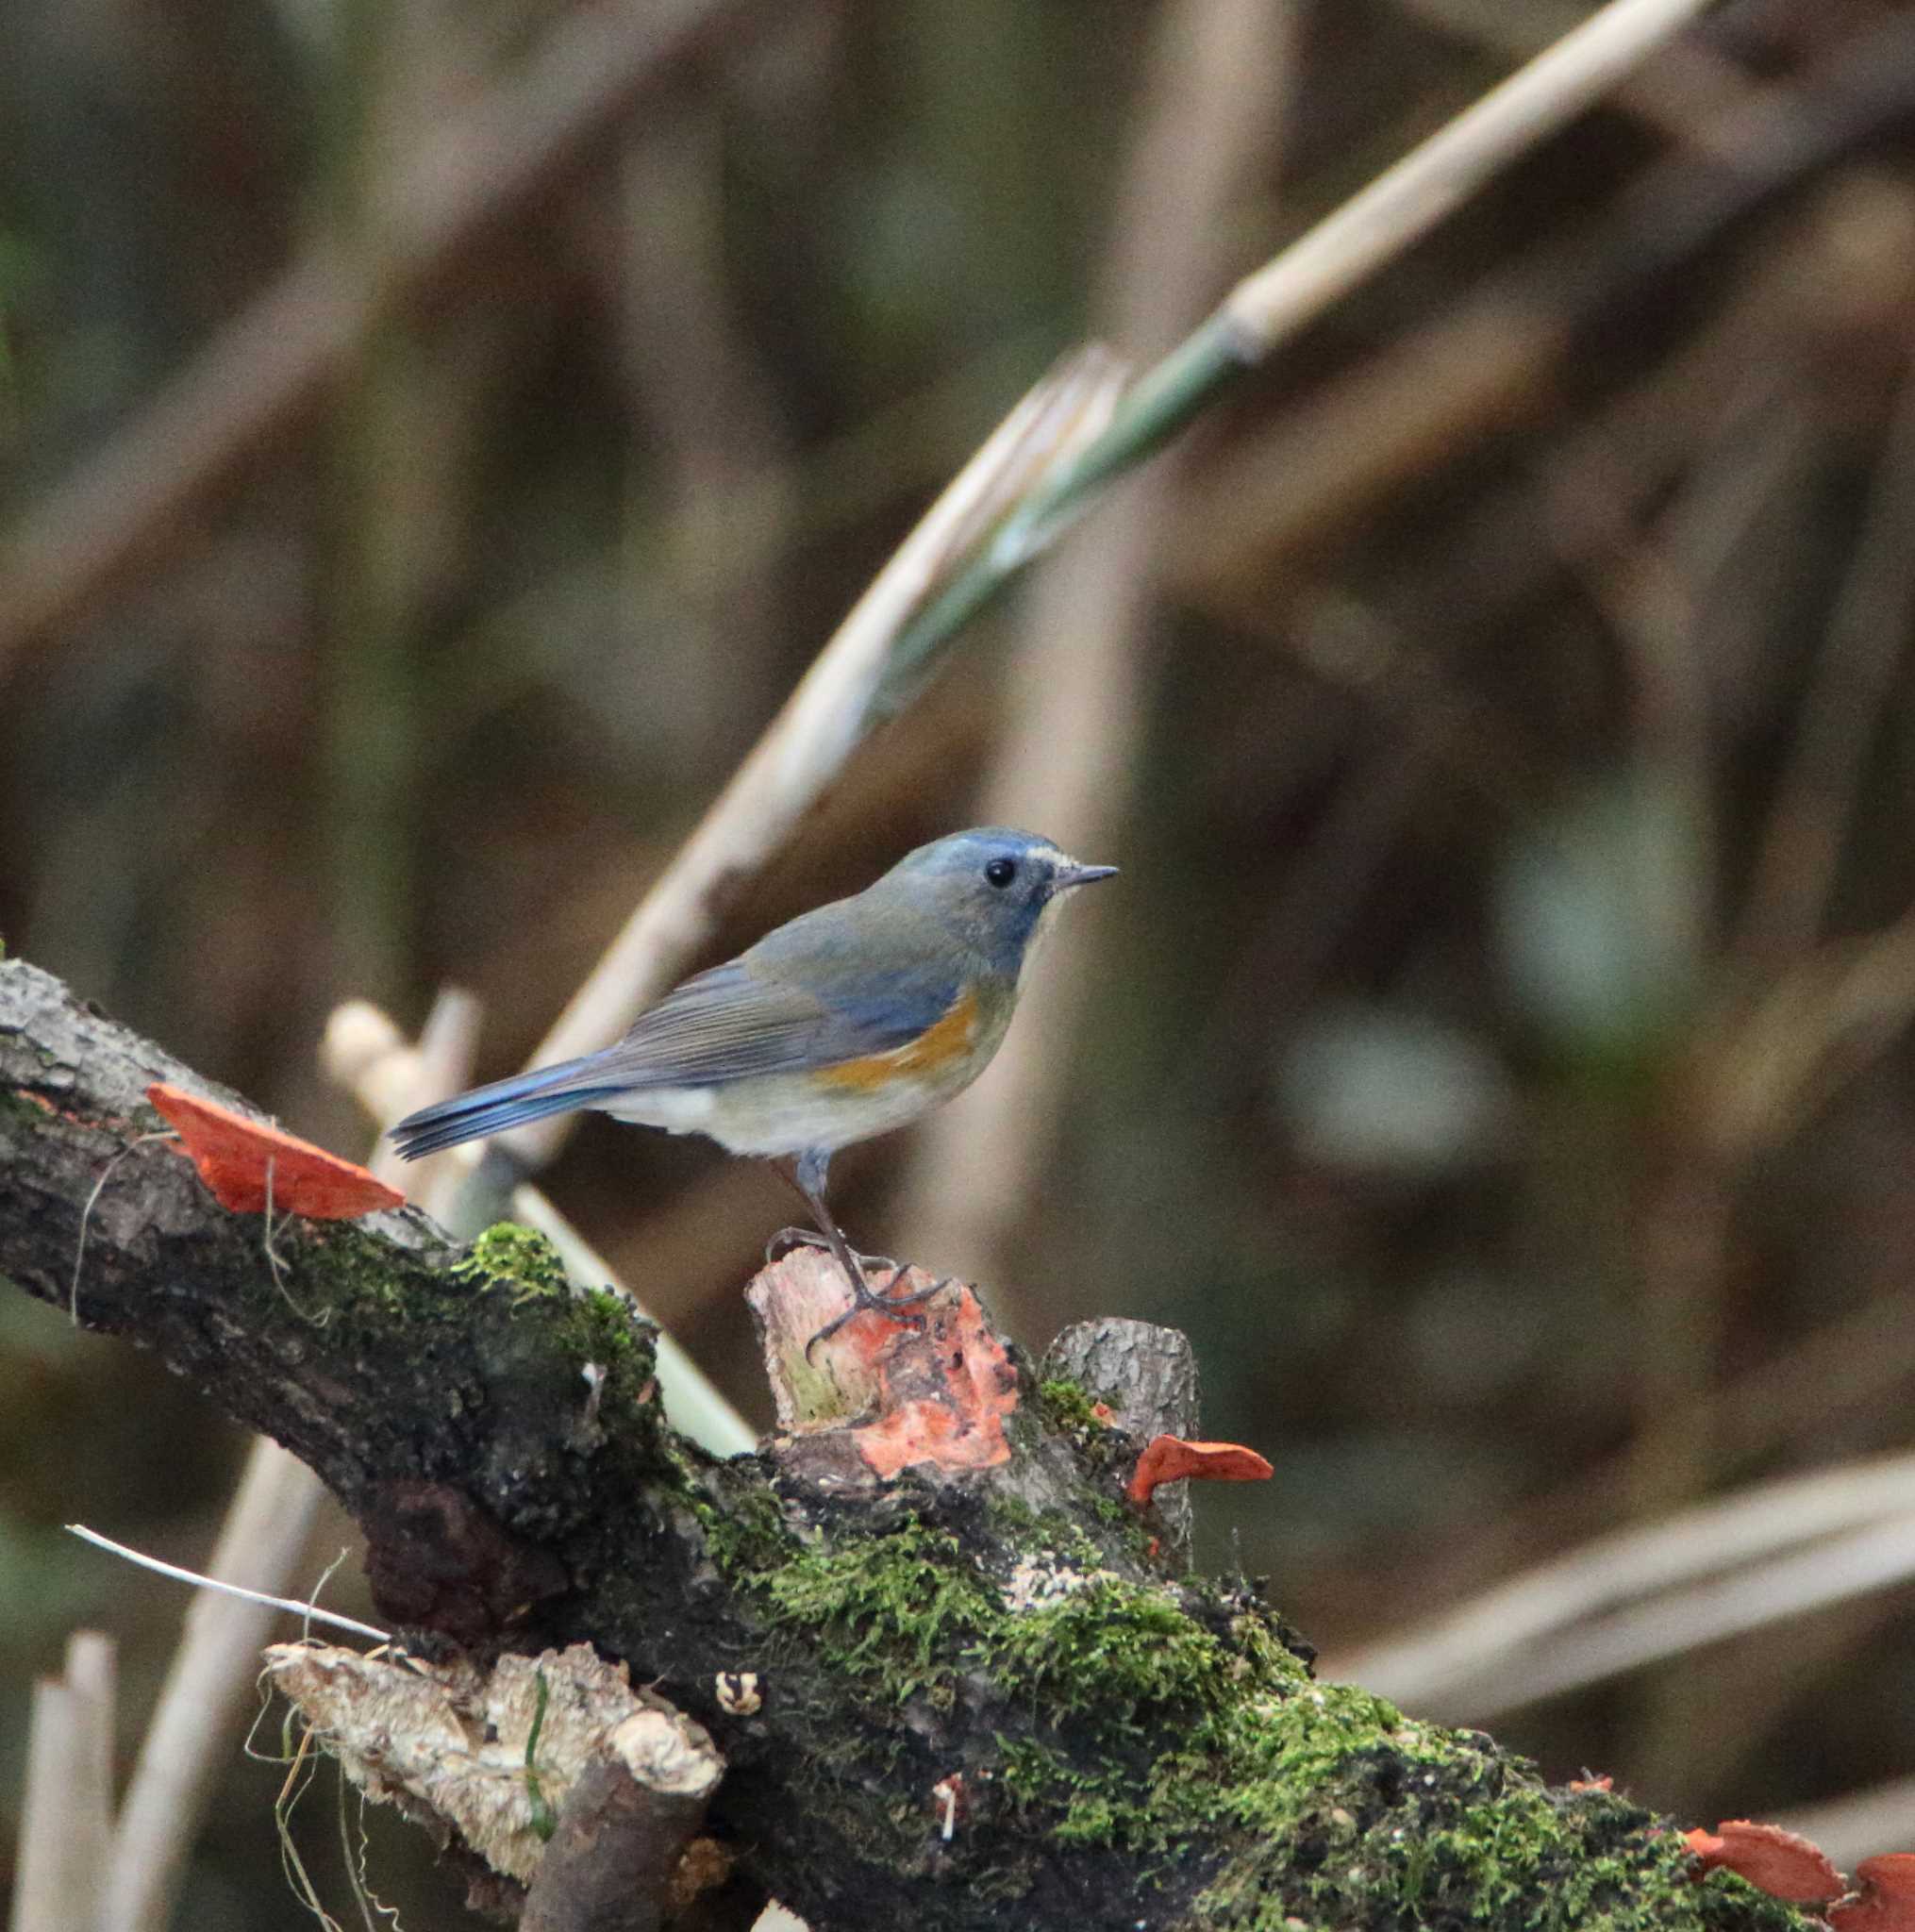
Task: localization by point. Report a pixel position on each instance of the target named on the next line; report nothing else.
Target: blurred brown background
(1495, 1055)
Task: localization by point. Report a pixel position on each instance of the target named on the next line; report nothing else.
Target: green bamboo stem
(1295, 286)
(1158, 405)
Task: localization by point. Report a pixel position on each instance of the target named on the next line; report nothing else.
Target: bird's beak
(1071, 874)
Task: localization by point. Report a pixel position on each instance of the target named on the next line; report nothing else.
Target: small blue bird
(841, 1025)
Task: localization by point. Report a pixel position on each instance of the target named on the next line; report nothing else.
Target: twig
(299, 1606)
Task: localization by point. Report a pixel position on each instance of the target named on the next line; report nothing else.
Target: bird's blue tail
(505, 1103)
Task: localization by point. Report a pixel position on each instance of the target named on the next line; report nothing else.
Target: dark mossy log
(953, 1673)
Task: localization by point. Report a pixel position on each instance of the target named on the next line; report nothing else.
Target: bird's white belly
(783, 1113)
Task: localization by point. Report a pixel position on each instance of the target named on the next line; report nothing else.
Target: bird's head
(995, 889)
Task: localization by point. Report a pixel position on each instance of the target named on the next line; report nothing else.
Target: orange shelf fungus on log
(246, 1164)
(1171, 1458)
(1885, 1896)
(932, 1391)
(1774, 1860)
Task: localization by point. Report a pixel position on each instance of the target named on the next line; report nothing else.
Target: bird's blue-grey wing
(810, 994)
(800, 998)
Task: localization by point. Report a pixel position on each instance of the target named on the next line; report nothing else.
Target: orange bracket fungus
(1171, 1458)
(1772, 1859)
(248, 1165)
(931, 1393)
(1885, 1896)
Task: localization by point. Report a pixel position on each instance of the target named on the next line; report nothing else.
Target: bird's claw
(901, 1309)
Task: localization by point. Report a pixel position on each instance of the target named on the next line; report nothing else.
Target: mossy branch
(970, 1694)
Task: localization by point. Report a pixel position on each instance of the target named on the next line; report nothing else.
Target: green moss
(335, 1273)
(605, 1329)
(1327, 1806)
(1113, 1664)
(1351, 1814)
(899, 1610)
(1068, 1406)
(1118, 1515)
(509, 1255)
(1118, 1650)
(745, 1535)
(1013, 1516)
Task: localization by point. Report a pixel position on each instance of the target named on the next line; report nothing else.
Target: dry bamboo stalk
(1215, 94)
(1642, 1595)
(1407, 201)
(67, 1820)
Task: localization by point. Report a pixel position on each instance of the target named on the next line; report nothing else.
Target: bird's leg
(788, 1238)
(811, 1192)
(806, 1174)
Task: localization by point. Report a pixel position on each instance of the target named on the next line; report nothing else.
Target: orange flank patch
(247, 1163)
(938, 1046)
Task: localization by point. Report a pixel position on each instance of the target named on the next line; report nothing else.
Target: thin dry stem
(1642, 1596)
(1678, 94)
(1406, 202)
(190, 1735)
(1215, 96)
(292, 1606)
(66, 1818)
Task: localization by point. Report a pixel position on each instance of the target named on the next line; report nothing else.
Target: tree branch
(949, 1674)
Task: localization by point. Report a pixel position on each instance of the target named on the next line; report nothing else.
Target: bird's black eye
(1000, 872)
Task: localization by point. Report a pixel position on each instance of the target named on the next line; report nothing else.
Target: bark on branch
(953, 1679)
